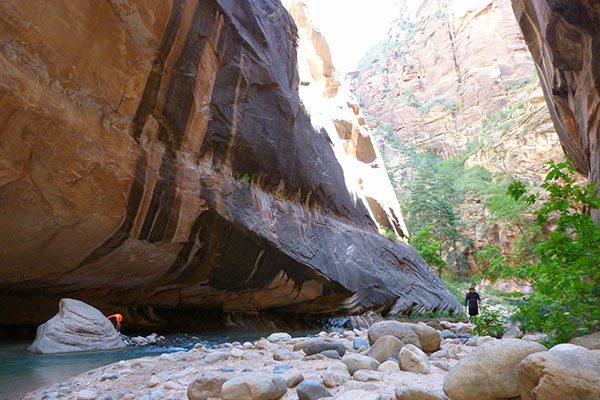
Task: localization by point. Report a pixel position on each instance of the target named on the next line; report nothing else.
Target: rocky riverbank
(391, 360)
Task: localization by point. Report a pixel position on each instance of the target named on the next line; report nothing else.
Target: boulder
(385, 347)
(418, 393)
(254, 387)
(205, 387)
(590, 342)
(393, 328)
(489, 372)
(429, 337)
(316, 346)
(354, 362)
(562, 373)
(514, 332)
(77, 327)
(311, 389)
(413, 359)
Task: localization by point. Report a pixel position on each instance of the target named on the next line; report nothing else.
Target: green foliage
(429, 248)
(565, 275)
(488, 323)
(491, 262)
(389, 233)
(246, 177)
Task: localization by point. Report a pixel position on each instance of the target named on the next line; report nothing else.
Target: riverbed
(22, 371)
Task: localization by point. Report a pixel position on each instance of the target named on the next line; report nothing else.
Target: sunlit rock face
(155, 158)
(564, 39)
(458, 80)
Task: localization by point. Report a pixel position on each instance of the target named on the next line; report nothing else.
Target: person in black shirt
(472, 301)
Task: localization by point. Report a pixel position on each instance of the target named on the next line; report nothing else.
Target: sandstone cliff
(156, 158)
(457, 79)
(563, 37)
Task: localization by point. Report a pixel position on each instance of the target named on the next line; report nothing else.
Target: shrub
(488, 323)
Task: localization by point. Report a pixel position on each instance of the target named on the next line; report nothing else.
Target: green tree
(566, 274)
(429, 248)
(491, 262)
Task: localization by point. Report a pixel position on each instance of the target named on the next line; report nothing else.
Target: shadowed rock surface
(564, 39)
(156, 159)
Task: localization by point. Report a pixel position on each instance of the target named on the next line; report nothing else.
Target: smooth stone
(258, 386)
(385, 347)
(490, 371)
(281, 368)
(286, 355)
(590, 342)
(514, 332)
(247, 346)
(413, 359)
(237, 353)
(447, 334)
(429, 338)
(157, 394)
(336, 375)
(354, 362)
(109, 376)
(393, 328)
(443, 365)
(278, 337)
(331, 354)
(311, 389)
(418, 393)
(566, 371)
(216, 356)
(389, 367)
(293, 379)
(316, 346)
(365, 375)
(205, 387)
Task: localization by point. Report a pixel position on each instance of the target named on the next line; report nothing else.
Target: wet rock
(413, 359)
(254, 387)
(385, 347)
(566, 372)
(76, 327)
(205, 387)
(336, 375)
(496, 364)
(316, 346)
(393, 328)
(354, 362)
(311, 389)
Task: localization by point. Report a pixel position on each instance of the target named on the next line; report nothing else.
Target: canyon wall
(456, 80)
(564, 39)
(156, 158)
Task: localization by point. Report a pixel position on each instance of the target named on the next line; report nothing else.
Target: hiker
(472, 301)
(117, 321)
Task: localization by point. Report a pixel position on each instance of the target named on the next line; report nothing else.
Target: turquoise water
(22, 371)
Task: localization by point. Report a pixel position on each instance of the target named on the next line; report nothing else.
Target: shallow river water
(22, 371)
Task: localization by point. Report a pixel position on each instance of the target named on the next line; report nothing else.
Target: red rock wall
(564, 39)
(156, 156)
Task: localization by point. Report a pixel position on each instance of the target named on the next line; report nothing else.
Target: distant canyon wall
(156, 157)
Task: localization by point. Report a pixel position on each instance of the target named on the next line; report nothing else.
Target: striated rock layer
(155, 159)
(564, 38)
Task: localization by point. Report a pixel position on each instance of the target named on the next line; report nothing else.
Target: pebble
(237, 353)
(389, 367)
(215, 356)
(281, 368)
(294, 378)
(109, 376)
(331, 354)
(153, 381)
(278, 337)
(365, 375)
(247, 346)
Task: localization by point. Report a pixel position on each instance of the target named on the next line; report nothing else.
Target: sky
(352, 27)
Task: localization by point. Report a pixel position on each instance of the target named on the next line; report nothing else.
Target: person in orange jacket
(117, 321)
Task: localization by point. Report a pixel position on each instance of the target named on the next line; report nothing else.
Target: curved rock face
(564, 39)
(158, 157)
